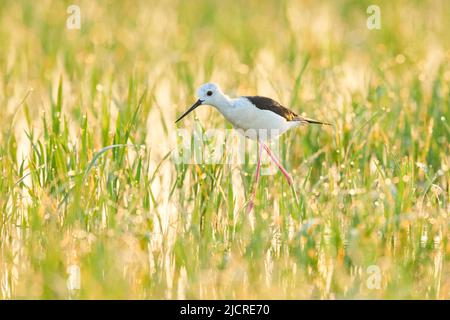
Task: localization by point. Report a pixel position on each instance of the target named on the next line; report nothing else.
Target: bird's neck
(223, 103)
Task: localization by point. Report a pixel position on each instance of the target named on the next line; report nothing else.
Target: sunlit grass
(87, 139)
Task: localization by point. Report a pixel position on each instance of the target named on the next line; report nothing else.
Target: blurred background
(81, 221)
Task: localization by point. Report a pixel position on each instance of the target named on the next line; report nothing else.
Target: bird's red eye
(209, 93)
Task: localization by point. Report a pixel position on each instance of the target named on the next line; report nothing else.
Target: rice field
(95, 205)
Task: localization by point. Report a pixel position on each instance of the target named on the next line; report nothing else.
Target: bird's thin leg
(255, 185)
(278, 163)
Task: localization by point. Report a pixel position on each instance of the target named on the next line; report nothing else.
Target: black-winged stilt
(260, 118)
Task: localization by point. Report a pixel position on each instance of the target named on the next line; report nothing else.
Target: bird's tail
(304, 120)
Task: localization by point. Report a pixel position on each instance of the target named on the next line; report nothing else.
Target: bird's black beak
(195, 105)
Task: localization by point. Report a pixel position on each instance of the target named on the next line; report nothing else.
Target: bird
(258, 118)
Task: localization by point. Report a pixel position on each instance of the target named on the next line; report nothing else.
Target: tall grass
(87, 140)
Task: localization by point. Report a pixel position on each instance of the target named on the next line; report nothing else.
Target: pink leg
(255, 187)
(278, 163)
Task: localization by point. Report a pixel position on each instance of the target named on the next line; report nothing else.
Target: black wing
(264, 103)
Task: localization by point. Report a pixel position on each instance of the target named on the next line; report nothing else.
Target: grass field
(93, 204)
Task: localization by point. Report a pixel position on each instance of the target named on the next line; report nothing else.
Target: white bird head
(208, 93)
